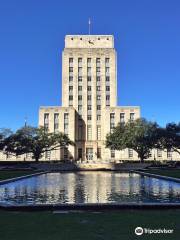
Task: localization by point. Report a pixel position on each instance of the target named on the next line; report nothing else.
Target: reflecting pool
(90, 187)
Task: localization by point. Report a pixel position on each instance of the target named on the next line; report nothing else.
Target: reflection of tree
(89, 187)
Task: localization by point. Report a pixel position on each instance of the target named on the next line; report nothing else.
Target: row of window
(130, 153)
(98, 70)
(89, 132)
(89, 78)
(89, 97)
(89, 61)
(89, 88)
(56, 122)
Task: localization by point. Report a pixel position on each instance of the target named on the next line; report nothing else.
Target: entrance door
(89, 153)
(79, 153)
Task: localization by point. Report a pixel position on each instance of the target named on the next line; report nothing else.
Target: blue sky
(147, 40)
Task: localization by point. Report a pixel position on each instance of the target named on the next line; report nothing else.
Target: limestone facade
(89, 102)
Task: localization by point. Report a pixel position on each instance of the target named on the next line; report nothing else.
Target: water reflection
(89, 187)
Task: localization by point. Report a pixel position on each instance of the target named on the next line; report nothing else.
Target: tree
(170, 137)
(4, 133)
(36, 141)
(140, 135)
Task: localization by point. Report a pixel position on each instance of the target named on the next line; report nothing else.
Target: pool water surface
(89, 187)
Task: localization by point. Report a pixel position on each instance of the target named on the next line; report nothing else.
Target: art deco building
(89, 100)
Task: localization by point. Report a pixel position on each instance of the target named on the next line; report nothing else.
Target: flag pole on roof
(89, 23)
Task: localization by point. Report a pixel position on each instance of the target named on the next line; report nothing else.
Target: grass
(6, 174)
(166, 172)
(90, 226)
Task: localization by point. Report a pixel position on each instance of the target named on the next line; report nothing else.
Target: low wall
(89, 166)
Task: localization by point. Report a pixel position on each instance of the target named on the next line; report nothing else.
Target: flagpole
(89, 22)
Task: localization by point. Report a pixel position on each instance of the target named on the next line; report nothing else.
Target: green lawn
(11, 174)
(166, 172)
(87, 226)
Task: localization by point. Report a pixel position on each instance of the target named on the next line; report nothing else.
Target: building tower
(89, 98)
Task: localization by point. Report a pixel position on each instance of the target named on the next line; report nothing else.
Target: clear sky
(147, 40)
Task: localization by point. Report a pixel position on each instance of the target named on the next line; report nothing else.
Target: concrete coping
(21, 177)
(157, 176)
(89, 206)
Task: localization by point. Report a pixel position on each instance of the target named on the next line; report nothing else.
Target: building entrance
(89, 153)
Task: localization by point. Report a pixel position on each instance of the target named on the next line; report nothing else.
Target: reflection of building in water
(89, 187)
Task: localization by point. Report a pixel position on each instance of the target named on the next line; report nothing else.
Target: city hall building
(89, 108)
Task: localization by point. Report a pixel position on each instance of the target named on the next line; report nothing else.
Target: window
(98, 88)
(107, 62)
(70, 98)
(98, 69)
(159, 153)
(98, 62)
(98, 79)
(89, 132)
(89, 62)
(70, 88)
(112, 122)
(89, 79)
(98, 107)
(79, 79)
(112, 126)
(98, 97)
(98, 117)
(79, 153)
(107, 88)
(46, 121)
(107, 100)
(70, 62)
(80, 71)
(66, 122)
(98, 132)
(80, 62)
(112, 153)
(79, 108)
(65, 153)
(107, 78)
(80, 131)
(112, 117)
(56, 122)
(107, 71)
(169, 153)
(98, 152)
(89, 88)
(132, 116)
(48, 155)
(88, 97)
(70, 78)
(80, 97)
(70, 69)
(150, 154)
(89, 71)
(79, 88)
(130, 153)
(89, 117)
(122, 117)
(89, 107)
